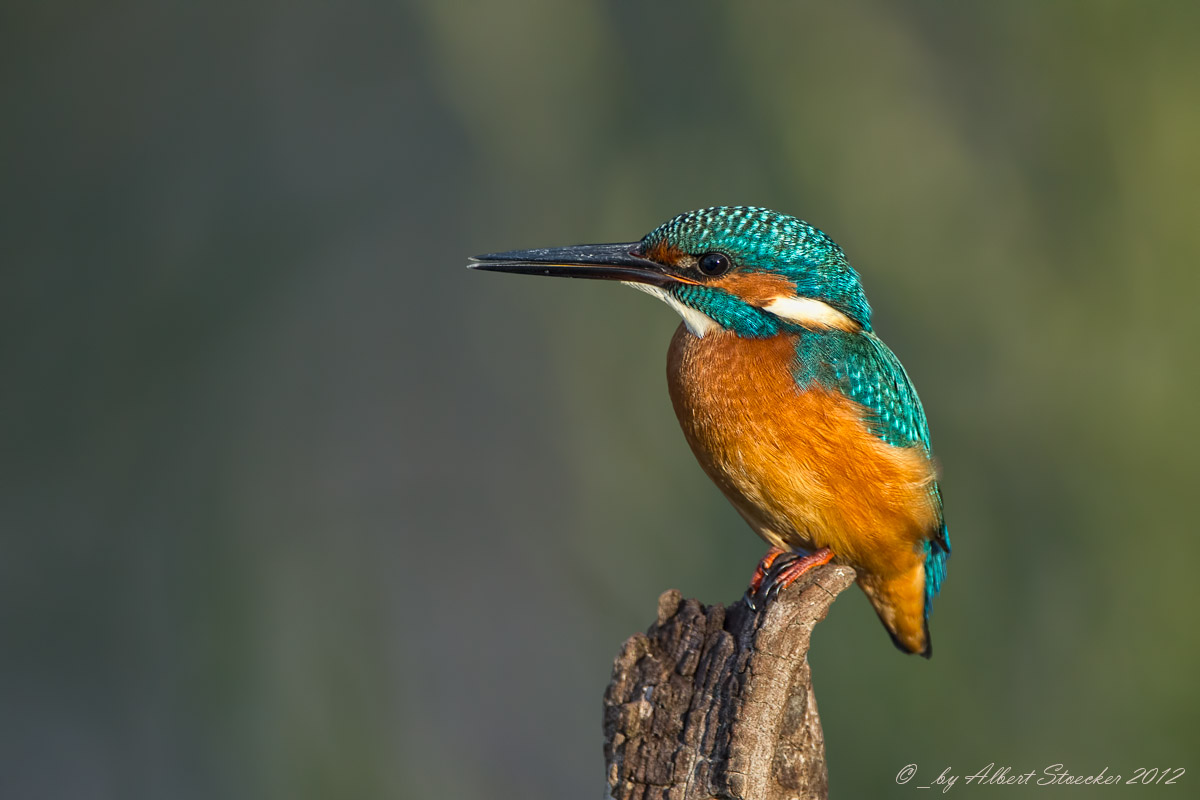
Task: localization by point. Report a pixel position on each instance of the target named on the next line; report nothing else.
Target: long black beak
(606, 262)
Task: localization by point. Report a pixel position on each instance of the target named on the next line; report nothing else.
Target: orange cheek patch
(756, 288)
(665, 253)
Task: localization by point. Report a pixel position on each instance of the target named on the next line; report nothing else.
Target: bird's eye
(714, 264)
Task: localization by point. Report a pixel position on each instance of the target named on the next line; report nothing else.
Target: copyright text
(1052, 775)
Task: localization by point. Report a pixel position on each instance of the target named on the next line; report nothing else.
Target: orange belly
(800, 465)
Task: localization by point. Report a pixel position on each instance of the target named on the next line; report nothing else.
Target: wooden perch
(717, 701)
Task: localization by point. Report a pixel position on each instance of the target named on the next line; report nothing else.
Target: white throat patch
(699, 324)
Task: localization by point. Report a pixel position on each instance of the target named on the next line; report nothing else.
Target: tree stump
(717, 701)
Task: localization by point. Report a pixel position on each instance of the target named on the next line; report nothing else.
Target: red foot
(763, 568)
(794, 569)
(788, 571)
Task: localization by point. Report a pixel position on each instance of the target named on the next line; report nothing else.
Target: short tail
(903, 601)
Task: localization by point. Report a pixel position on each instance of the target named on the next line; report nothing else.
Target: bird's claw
(778, 570)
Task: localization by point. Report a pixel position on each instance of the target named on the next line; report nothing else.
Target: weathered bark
(717, 701)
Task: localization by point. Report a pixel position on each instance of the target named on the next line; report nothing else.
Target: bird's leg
(785, 574)
(760, 572)
(781, 568)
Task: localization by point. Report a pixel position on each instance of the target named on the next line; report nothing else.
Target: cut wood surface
(717, 701)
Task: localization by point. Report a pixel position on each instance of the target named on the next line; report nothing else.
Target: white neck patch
(699, 324)
(810, 313)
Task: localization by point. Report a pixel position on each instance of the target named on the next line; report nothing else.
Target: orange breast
(800, 466)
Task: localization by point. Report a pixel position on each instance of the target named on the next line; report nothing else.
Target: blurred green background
(293, 505)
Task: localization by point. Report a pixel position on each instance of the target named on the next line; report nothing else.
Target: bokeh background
(295, 506)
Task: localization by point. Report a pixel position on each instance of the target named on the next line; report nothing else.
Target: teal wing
(869, 373)
(862, 367)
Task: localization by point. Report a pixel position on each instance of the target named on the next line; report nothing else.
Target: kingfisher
(794, 407)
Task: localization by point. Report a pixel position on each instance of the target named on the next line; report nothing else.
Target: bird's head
(749, 270)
